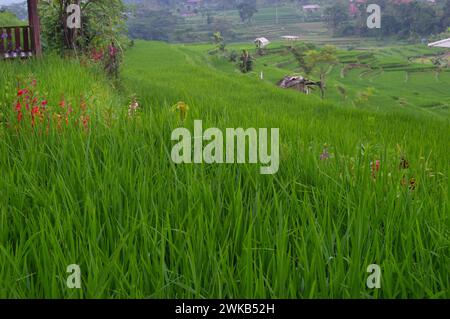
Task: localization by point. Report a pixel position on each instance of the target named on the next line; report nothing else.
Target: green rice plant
(111, 200)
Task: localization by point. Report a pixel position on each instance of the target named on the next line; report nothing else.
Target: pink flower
(325, 155)
(375, 167)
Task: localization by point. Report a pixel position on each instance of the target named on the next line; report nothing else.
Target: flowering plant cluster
(109, 56)
(32, 110)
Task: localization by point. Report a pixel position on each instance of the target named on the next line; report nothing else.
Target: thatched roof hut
(298, 83)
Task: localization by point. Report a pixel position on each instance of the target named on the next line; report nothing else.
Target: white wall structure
(441, 44)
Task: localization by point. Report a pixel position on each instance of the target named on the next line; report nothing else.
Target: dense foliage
(8, 19)
(406, 20)
(102, 22)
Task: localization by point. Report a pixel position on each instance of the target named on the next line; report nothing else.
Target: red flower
(86, 121)
(22, 92)
(19, 116)
(44, 103)
(62, 103)
(97, 55)
(34, 111)
(375, 167)
(18, 107)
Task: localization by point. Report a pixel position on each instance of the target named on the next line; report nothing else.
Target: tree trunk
(322, 85)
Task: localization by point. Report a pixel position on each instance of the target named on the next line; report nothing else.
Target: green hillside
(108, 197)
(402, 78)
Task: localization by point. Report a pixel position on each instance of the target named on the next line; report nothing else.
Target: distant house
(311, 8)
(290, 37)
(356, 7)
(441, 44)
(261, 42)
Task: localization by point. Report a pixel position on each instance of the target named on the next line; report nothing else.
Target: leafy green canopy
(8, 19)
(102, 22)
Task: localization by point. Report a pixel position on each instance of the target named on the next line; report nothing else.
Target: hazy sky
(10, 1)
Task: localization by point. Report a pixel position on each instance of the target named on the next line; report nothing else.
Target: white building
(441, 44)
(290, 37)
(311, 8)
(261, 42)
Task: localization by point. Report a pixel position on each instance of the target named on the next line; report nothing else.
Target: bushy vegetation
(241, 20)
(102, 23)
(404, 20)
(8, 19)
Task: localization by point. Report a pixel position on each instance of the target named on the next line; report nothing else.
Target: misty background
(190, 21)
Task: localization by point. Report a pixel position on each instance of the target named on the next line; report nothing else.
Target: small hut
(298, 83)
(22, 41)
(311, 8)
(261, 43)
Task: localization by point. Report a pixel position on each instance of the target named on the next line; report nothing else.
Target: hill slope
(111, 200)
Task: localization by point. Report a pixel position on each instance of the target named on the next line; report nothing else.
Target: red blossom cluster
(97, 55)
(375, 168)
(31, 109)
(29, 104)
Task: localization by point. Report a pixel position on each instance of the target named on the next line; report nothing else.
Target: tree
(299, 53)
(153, 25)
(446, 15)
(246, 64)
(336, 17)
(321, 60)
(209, 18)
(219, 41)
(440, 63)
(102, 22)
(247, 9)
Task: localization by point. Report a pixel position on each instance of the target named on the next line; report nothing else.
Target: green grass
(400, 81)
(112, 201)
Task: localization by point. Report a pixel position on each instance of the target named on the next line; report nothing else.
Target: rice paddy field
(400, 77)
(270, 22)
(90, 185)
